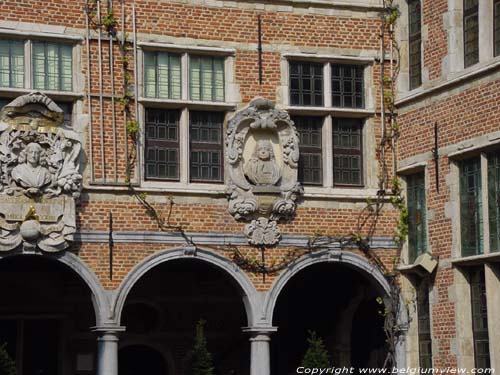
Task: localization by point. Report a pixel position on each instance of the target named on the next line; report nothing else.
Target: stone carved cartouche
(39, 175)
(262, 155)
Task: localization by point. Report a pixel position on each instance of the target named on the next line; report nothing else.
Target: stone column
(107, 349)
(260, 350)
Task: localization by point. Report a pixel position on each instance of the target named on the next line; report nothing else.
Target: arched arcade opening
(161, 311)
(339, 303)
(45, 317)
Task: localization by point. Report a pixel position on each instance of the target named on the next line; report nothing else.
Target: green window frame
(424, 326)
(52, 66)
(415, 40)
(471, 32)
(479, 309)
(206, 78)
(162, 75)
(494, 200)
(471, 211)
(11, 63)
(417, 214)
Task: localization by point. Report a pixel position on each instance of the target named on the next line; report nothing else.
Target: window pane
(415, 43)
(206, 78)
(11, 63)
(479, 318)
(306, 84)
(162, 75)
(347, 151)
(162, 144)
(417, 236)
(347, 86)
(52, 66)
(310, 162)
(471, 218)
(424, 326)
(471, 32)
(205, 131)
(494, 200)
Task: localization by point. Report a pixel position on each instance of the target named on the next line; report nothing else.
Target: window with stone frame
(11, 63)
(479, 317)
(206, 155)
(347, 86)
(415, 43)
(471, 32)
(471, 217)
(311, 155)
(162, 144)
(306, 84)
(424, 326)
(52, 65)
(417, 235)
(494, 200)
(206, 78)
(162, 75)
(496, 27)
(347, 152)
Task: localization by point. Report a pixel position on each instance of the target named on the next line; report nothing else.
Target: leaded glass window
(206, 78)
(415, 34)
(347, 151)
(52, 66)
(347, 86)
(306, 84)
(162, 144)
(479, 318)
(417, 236)
(497, 27)
(12, 63)
(310, 162)
(205, 132)
(494, 200)
(424, 326)
(471, 32)
(162, 75)
(471, 217)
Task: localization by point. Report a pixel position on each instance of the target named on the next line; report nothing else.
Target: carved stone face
(264, 150)
(33, 151)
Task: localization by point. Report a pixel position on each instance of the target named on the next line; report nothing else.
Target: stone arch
(246, 287)
(73, 262)
(349, 259)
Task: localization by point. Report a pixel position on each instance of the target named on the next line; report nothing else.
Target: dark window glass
(471, 32)
(494, 200)
(162, 144)
(424, 326)
(479, 318)
(347, 86)
(310, 162)
(306, 84)
(415, 21)
(497, 27)
(417, 236)
(205, 132)
(347, 152)
(471, 218)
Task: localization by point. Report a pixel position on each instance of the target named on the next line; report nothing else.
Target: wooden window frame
(313, 77)
(310, 150)
(346, 151)
(356, 78)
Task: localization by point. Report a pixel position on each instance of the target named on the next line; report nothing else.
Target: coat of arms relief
(39, 175)
(262, 154)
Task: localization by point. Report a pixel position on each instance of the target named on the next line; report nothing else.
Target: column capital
(260, 333)
(112, 330)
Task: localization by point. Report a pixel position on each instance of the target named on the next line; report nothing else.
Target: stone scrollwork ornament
(262, 155)
(39, 175)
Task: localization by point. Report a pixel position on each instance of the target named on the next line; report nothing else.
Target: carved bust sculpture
(262, 168)
(30, 174)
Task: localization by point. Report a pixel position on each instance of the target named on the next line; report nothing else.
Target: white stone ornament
(262, 155)
(39, 175)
